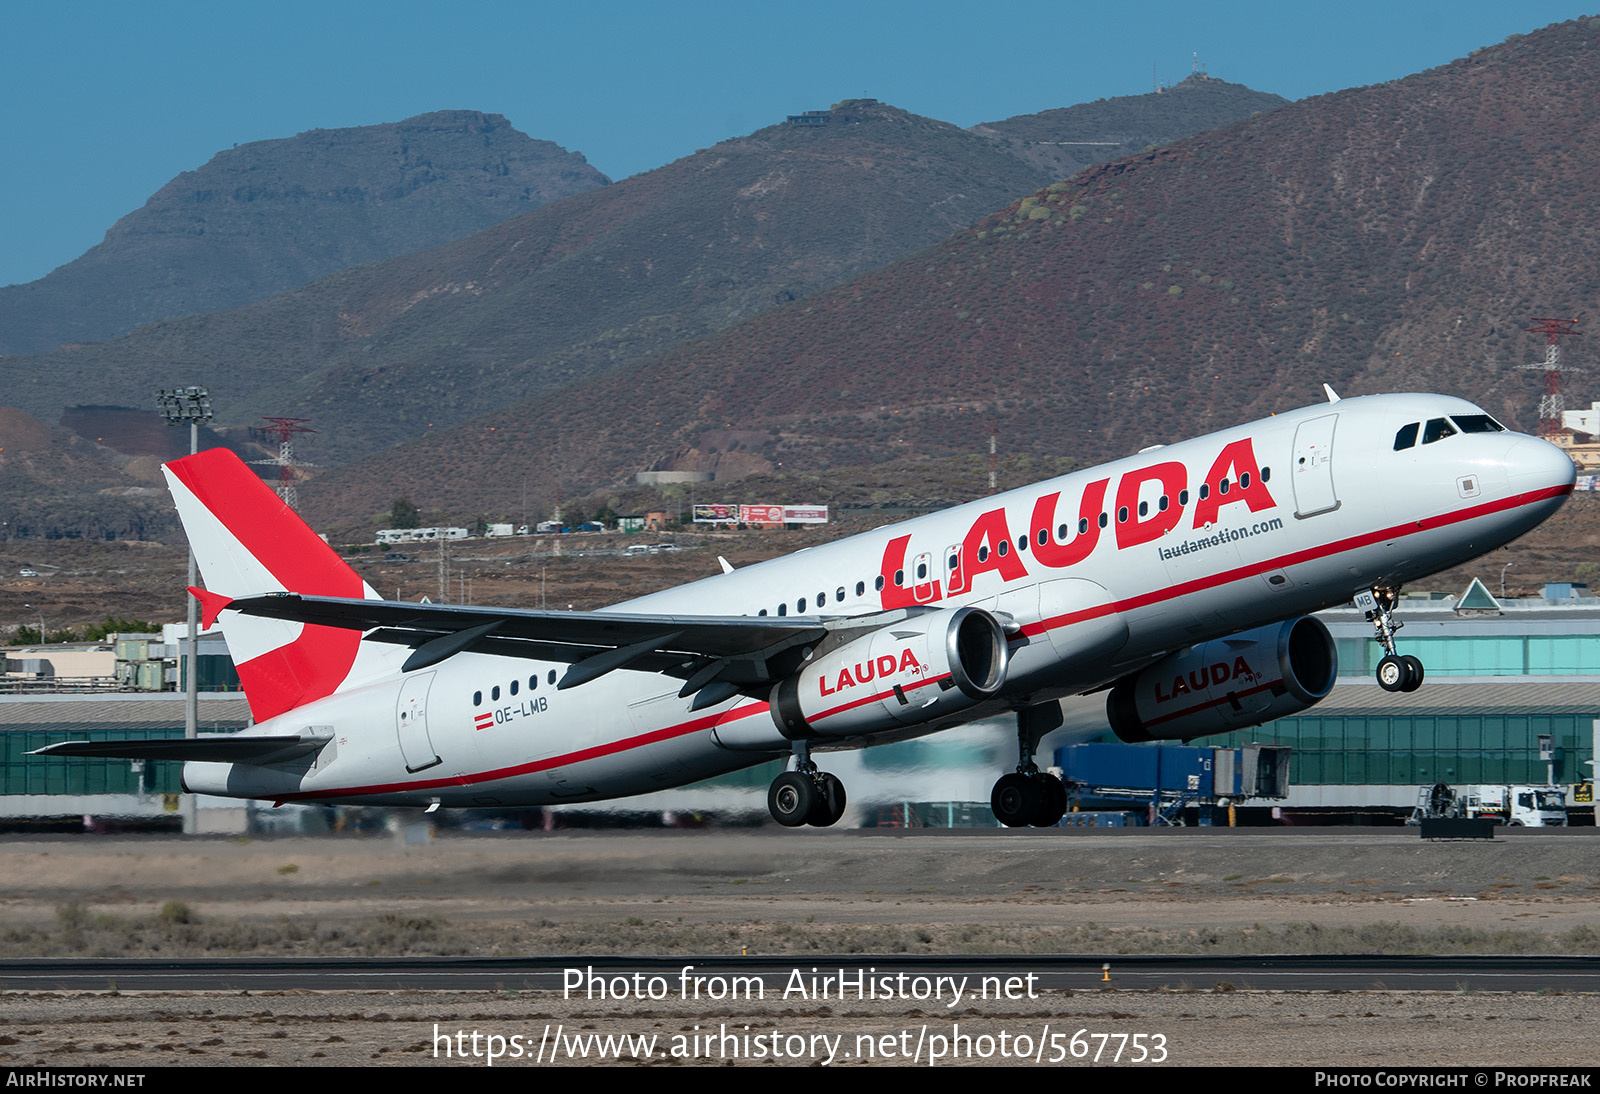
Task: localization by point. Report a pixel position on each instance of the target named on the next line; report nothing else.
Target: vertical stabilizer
(248, 542)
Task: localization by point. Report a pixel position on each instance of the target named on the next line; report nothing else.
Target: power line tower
(1551, 404)
(283, 430)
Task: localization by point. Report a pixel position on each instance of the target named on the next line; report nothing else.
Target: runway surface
(473, 934)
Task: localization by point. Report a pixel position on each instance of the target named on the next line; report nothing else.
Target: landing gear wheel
(1052, 801)
(1414, 672)
(829, 806)
(1016, 799)
(1392, 673)
(791, 798)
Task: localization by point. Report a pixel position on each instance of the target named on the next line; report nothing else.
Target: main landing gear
(1028, 796)
(806, 795)
(1396, 672)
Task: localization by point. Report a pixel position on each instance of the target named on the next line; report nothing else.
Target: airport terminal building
(1512, 695)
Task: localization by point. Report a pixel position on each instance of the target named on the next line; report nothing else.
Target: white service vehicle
(1518, 805)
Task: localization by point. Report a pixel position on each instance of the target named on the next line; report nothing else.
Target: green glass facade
(1482, 655)
(1430, 748)
(24, 774)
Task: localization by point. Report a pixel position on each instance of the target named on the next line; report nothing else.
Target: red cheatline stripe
(829, 713)
(1208, 705)
(1227, 577)
(595, 753)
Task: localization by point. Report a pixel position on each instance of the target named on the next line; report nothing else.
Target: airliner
(1178, 581)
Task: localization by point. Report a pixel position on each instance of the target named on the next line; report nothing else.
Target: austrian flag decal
(484, 720)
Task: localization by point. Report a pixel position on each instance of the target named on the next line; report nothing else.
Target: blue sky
(102, 103)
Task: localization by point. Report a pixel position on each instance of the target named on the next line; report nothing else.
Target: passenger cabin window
(1406, 437)
(1477, 423)
(861, 587)
(1437, 429)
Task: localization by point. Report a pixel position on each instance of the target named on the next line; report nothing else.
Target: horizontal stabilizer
(214, 749)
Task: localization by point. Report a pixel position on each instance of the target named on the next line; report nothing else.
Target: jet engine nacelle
(1227, 684)
(907, 673)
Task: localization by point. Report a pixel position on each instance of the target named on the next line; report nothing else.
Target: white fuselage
(1141, 557)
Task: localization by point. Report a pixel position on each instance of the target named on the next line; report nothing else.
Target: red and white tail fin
(248, 542)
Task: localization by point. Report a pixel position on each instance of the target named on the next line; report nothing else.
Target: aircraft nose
(1533, 464)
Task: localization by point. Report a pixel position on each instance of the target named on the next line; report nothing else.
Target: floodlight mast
(177, 405)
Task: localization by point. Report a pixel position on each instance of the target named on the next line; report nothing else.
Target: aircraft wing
(717, 656)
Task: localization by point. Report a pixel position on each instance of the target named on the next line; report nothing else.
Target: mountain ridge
(270, 215)
(1393, 237)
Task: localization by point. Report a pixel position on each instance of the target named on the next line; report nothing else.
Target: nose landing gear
(1396, 672)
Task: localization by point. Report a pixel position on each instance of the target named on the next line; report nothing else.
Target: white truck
(1522, 805)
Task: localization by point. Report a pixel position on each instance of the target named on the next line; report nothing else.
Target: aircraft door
(411, 723)
(1313, 467)
(924, 586)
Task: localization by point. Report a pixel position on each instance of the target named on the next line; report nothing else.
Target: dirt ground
(805, 892)
(80, 582)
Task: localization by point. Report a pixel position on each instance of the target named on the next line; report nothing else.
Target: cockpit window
(1477, 423)
(1437, 429)
(1407, 436)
